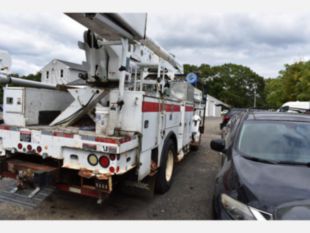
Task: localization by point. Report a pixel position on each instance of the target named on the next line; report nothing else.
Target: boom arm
(112, 26)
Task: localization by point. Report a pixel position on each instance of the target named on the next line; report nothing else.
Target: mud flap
(143, 189)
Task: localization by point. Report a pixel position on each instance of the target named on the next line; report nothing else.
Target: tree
(33, 77)
(202, 71)
(274, 93)
(235, 84)
(292, 84)
(187, 68)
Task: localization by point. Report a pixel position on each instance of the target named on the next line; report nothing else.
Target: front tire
(165, 173)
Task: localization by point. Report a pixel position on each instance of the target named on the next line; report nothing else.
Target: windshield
(276, 141)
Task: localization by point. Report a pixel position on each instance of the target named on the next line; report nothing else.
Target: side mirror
(224, 112)
(218, 145)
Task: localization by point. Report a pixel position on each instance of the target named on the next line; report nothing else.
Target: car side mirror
(218, 145)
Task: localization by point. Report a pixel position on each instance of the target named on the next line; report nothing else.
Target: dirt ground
(190, 197)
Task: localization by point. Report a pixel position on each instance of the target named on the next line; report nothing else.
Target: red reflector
(106, 140)
(117, 169)
(104, 161)
(29, 147)
(112, 157)
(61, 134)
(112, 170)
(20, 146)
(39, 149)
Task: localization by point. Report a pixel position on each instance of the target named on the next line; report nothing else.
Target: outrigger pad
(21, 196)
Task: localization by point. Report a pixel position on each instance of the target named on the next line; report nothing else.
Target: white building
(61, 72)
(213, 107)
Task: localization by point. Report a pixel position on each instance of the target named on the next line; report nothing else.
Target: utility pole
(254, 87)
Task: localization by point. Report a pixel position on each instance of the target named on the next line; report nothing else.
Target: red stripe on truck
(172, 108)
(114, 140)
(4, 127)
(150, 107)
(189, 108)
(156, 107)
(61, 134)
(107, 140)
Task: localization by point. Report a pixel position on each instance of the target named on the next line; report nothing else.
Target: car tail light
(226, 118)
(29, 147)
(92, 160)
(39, 149)
(112, 157)
(20, 146)
(104, 161)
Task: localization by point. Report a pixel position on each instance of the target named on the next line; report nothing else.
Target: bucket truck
(129, 123)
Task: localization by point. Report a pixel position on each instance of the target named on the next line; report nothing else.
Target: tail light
(226, 118)
(20, 146)
(104, 161)
(29, 147)
(39, 149)
(92, 159)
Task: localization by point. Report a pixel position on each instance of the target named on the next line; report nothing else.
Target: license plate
(103, 185)
(25, 136)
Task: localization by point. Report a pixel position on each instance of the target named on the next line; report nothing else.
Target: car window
(275, 140)
(231, 129)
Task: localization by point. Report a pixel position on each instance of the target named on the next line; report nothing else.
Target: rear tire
(165, 173)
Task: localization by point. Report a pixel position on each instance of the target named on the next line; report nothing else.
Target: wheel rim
(169, 166)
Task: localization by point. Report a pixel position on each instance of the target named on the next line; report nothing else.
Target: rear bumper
(29, 175)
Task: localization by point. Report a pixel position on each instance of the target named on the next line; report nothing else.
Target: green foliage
(231, 83)
(274, 93)
(33, 77)
(292, 84)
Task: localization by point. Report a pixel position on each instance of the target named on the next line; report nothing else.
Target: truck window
(9, 100)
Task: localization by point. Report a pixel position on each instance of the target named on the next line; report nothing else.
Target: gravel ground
(190, 197)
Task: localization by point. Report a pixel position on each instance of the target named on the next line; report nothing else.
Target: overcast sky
(263, 42)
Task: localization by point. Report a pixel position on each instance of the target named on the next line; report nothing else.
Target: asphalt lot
(188, 199)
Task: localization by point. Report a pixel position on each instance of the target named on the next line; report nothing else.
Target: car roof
(238, 109)
(277, 116)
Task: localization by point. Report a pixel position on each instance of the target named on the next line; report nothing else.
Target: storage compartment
(25, 106)
(102, 118)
